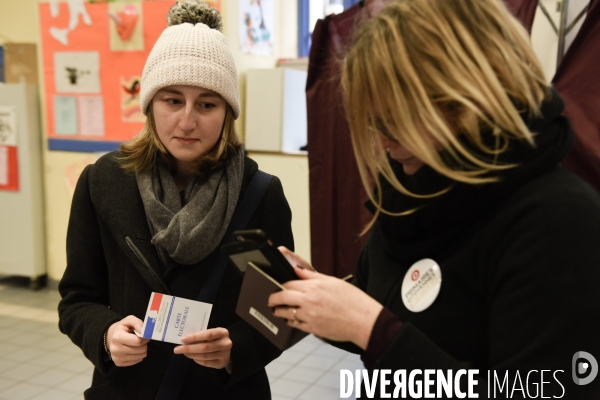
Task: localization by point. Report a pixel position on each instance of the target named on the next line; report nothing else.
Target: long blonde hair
(146, 149)
(423, 70)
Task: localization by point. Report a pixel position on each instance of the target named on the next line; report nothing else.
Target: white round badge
(421, 285)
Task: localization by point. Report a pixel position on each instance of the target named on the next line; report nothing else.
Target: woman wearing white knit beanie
(151, 218)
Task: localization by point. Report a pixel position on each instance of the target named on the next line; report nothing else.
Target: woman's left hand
(327, 307)
(210, 348)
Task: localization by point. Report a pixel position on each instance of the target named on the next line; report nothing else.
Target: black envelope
(252, 308)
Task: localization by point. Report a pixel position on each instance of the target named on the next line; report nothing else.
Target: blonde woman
(151, 216)
(483, 252)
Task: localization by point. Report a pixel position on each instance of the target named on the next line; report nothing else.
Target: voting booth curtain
(524, 10)
(337, 212)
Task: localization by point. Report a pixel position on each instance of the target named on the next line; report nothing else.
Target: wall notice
(256, 23)
(9, 172)
(8, 126)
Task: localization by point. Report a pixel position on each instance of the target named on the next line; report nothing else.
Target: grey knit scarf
(188, 232)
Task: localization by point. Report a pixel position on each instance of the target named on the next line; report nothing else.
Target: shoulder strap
(177, 370)
(254, 193)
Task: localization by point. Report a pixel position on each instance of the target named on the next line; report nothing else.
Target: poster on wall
(65, 115)
(93, 57)
(9, 166)
(126, 26)
(90, 110)
(130, 99)
(256, 23)
(77, 72)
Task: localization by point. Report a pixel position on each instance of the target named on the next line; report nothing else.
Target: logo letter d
(591, 361)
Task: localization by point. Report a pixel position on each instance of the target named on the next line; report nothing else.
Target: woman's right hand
(125, 347)
(327, 307)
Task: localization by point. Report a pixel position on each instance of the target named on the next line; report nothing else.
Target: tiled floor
(38, 362)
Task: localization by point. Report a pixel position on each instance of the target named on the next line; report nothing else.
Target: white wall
(543, 38)
(292, 170)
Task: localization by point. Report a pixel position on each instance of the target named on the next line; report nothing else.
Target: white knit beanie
(190, 52)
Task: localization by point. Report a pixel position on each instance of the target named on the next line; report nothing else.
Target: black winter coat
(520, 263)
(107, 279)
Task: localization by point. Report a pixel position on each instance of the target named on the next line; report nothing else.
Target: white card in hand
(170, 318)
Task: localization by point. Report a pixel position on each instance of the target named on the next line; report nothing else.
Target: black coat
(520, 262)
(106, 279)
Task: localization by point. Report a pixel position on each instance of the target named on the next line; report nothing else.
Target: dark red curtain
(337, 212)
(524, 10)
(578, 81)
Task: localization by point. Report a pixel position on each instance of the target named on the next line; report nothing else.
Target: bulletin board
(93, 57)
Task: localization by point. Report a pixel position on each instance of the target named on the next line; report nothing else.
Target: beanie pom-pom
(194, 12)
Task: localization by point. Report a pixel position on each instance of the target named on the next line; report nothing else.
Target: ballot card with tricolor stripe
(170, 318)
